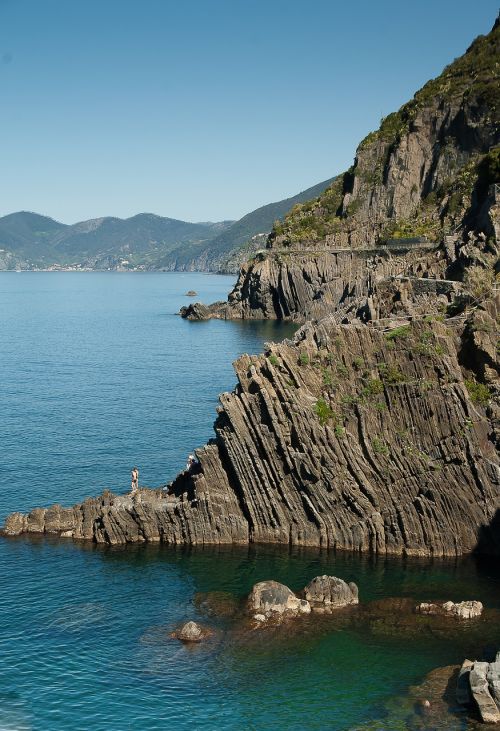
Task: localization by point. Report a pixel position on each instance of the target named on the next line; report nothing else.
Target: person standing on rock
(134, 480)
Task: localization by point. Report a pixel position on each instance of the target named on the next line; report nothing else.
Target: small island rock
(191, 632)
(462, 610)
(271, 597)
(331, 592)
(191, 293)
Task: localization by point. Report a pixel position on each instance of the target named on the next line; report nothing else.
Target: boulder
(488, 709)
(191, 293)
(464, 610)
(331, 592)
(271, 597)
(191, 632)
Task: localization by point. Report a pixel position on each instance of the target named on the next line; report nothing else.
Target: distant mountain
(144, 241)
(28, 240)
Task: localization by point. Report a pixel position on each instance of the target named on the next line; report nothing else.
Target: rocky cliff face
(353, 436)
(426, 174)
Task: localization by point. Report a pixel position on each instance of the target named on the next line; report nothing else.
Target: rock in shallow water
(478, 685)
(462, 610)
(271, 597)
(191, 632)
(331, 592)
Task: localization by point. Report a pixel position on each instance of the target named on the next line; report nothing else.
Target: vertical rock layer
(351, 437)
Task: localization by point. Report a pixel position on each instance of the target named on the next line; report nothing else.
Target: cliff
(380, 437)
(427, 174)
(377, 428)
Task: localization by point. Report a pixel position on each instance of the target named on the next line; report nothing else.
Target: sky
(206, 109)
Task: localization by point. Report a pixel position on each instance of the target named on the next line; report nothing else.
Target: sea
(98, 374)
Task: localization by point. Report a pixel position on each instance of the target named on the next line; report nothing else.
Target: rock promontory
(379, 437)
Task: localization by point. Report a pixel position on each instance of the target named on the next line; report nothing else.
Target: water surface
(97, 374)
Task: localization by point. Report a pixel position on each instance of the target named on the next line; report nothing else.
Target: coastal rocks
(191, 293)
(270, 598)
(199, 311)
(331, 592)
(364, 438)
(191, 632)
(462, 610)
(478, 685)
(298, 285)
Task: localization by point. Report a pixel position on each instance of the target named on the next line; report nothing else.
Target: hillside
(28, 240)
(144, 241)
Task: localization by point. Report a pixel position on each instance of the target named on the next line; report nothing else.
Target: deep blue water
(97, 374)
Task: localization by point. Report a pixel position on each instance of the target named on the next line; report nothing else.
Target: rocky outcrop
(478, 686)
(191, 632)
(330, 592)
(427, 175)
(362, 437)
(462, 610)
(269, 598)
(300, 286)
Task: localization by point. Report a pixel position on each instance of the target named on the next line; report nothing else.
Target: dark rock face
(355, 437)
(302, 285)
(331, 592)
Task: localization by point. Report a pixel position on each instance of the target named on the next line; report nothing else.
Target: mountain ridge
(144, 240)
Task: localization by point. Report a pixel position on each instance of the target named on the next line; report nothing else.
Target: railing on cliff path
(391, 245)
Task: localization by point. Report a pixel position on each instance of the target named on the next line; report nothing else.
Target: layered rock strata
(478, 685)
(305, 285)
(353, 436)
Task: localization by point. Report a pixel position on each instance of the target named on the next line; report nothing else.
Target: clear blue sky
(204, 110)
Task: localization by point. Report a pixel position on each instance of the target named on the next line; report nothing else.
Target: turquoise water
(97, 374)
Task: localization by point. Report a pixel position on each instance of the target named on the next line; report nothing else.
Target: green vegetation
(391, 374)
(323, 411)
(328, 379)
(479, 282)
(303, 359)
(273, 360)
(373, 387)
(478, 392)
(399, 332)
(379, 447)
